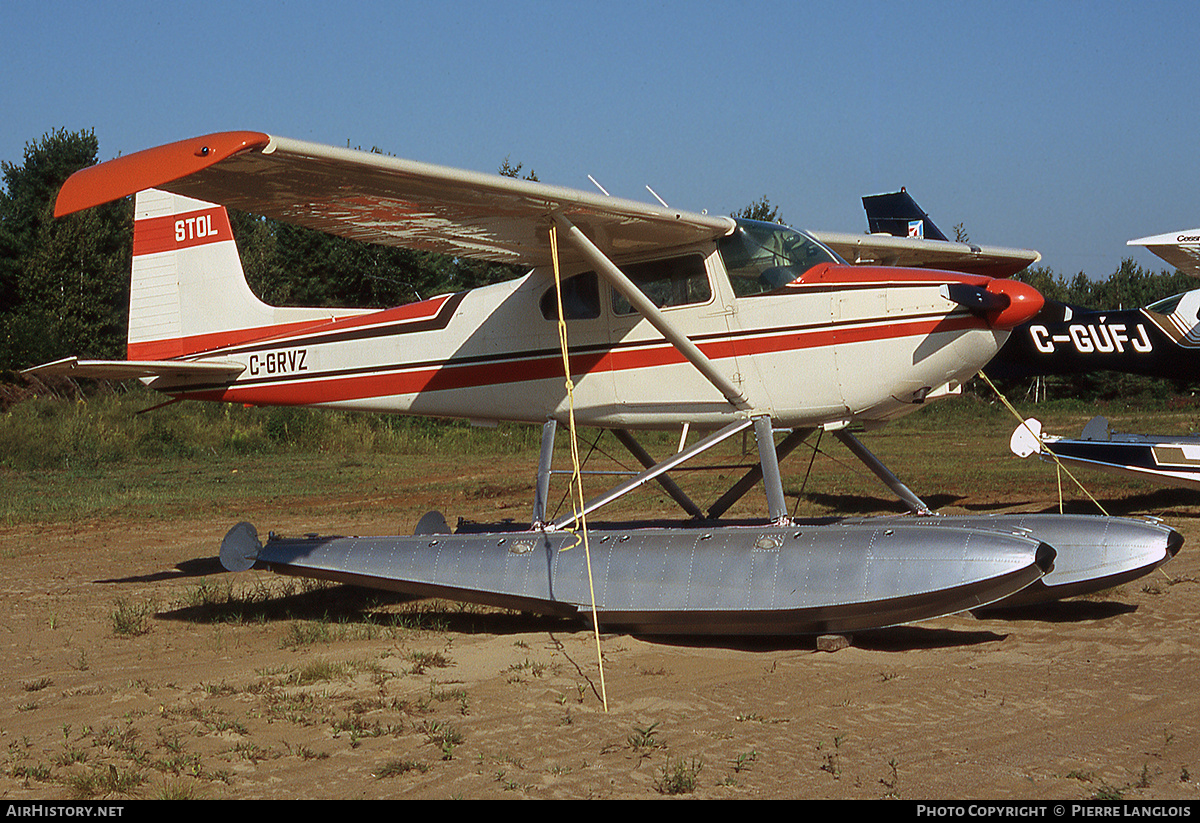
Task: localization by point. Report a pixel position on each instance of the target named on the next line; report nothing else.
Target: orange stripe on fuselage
(169, 348)
(449, 376)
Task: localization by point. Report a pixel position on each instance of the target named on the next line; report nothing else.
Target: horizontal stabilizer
(173, 370)
(1167, 460)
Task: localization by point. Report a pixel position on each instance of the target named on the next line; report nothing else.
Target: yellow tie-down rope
(1057, 462)
(576, 469)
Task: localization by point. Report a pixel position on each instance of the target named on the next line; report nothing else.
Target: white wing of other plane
(1179, 248)
(380, 199)
(888, 250)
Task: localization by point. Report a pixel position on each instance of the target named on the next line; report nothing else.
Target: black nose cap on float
(1174, 543)
(1044, 557)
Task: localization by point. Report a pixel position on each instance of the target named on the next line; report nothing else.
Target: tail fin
(189, 292)
(899, 215)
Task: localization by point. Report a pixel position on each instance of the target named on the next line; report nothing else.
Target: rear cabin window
(580, 298)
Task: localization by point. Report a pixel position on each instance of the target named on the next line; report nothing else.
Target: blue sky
(1066, 127)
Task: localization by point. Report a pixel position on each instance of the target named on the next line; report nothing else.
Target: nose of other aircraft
(1024, 302)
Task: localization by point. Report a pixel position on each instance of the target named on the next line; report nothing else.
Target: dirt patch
(135, 667)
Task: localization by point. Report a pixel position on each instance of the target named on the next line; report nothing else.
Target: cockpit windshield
(761, 257)
(1185, 306)
(1166, 305)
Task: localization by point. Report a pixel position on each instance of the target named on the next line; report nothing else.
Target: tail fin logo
(173, 232)
(195, 228)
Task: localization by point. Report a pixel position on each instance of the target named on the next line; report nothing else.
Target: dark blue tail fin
(899, 215)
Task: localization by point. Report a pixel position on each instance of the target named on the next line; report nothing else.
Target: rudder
(188, 292)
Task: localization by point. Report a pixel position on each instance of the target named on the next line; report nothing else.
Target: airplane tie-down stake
(676, 319)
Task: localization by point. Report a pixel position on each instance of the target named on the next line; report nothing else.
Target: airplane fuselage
(838, 344)
(1064, 339)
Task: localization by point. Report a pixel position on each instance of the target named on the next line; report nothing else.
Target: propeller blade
(975, 298)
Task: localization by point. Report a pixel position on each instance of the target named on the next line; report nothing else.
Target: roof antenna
(656, 197)
(597, 185)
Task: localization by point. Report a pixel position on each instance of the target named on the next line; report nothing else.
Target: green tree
(290, 265)
(1049, 285)
(507, 169)
(760, 209)
(64, 282)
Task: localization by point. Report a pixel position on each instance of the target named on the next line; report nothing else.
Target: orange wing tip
(151, 168)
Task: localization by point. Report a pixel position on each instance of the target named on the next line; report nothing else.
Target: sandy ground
(126, 675)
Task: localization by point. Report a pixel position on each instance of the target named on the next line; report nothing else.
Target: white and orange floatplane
(632, 317)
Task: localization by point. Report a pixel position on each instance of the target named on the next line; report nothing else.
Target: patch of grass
(104, 781)
(68, 460)
(744, 760)
(39, 772)
(396, 768)
(316, 671)
(423, 661)
(179, 790)
(832, 759)
(532, 667)
(644, 737)
(892, 781)
(679, 776)
(131, 619)
(443, 735)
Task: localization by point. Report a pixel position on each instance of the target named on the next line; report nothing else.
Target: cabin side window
(676, 281)
(580, 298)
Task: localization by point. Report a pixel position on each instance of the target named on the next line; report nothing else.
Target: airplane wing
(888, 250)
(1179, 248)
(172, 370)
(381, 199)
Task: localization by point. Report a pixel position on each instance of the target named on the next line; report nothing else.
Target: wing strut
(751, 477)
(545, 459)
(653, 472)
(670, 486)
(882, 472)
(652, 313)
